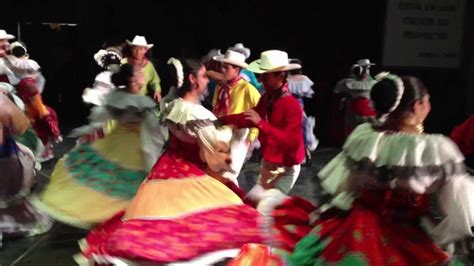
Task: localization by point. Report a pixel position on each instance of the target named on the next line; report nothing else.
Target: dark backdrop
(327, 35)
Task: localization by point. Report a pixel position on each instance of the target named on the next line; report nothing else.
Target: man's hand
(253, 117)
(157, 96)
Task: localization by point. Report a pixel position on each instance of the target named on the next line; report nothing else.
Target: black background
(328, 36)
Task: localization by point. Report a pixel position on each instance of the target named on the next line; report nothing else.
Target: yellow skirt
(81, 193)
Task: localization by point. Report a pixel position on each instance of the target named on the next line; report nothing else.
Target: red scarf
(222, 105)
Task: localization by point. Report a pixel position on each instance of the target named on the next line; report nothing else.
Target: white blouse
(215, 144)
(426, 163)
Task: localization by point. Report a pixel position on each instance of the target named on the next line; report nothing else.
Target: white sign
(424, 33)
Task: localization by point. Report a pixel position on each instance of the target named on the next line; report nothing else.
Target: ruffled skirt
(178, 214)
(376, 231)
(94, 181)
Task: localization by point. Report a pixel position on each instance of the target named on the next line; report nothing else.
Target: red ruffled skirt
(381, 229)
(179, 213)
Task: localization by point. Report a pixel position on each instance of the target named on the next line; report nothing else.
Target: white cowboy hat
(364, 62)
(239, 47)
(140, 41)
(212, 53)
(272, 61)
(233, 58)
(4, 35)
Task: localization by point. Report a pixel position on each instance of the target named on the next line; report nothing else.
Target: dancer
(139, 48)
(29, 137)
(245, 73)
(235, 95)
(95, 180)
(300, 86)
(109, 60)
(17, 164)
(278, 116)
(31, 83)
(6, 75)
(356, 95)
(180, 213)
(381, 184)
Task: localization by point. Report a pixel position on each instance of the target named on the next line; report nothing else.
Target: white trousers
(274, 176)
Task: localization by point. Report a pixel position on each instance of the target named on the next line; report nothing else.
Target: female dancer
(181, 213)
(95, 180)
(17, 215)
(381, 185)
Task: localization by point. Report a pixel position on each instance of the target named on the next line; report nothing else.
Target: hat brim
(221, 58)
(7, 37)
(134, 44)
(255, 67)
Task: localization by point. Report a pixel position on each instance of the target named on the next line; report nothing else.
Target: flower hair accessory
(400, 89)
(102, 56)
(98, 57)
(19, 44)
(179, 70)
